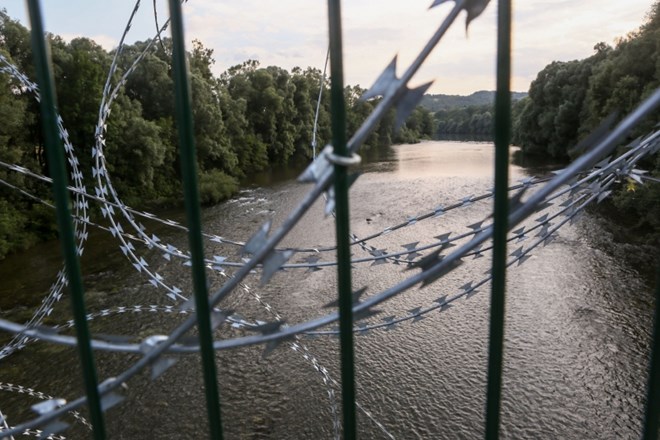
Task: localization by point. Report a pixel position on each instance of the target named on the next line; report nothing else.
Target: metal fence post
(193, 217)
(55, 155)
(501, 213)
(338, 110)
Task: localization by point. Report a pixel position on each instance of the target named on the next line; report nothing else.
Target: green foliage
(470, 115)
(216, 186)
(15, 41)
(133, 144)
(21, 226)
(13, 223)
(629, 74)
(567, 100)
(641, 203)
(472, 120)
(549, 121)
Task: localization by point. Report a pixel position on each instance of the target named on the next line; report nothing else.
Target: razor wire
(4, 424)
(14, 388)
(598, 190)
(320, 173)
(170, 251)
(102, 171)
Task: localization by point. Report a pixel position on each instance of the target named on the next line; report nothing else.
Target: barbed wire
(479, 238)
(167, 248)
(604, 177)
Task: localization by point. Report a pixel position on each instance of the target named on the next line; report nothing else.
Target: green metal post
(501, 213)
(653, 397)
(193, 217)
(338, 109)
(55, 155)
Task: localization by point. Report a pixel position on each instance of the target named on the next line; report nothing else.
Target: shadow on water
(379, 160)
(374, 159)
(464, 137)
(277, 173)
(535, 165)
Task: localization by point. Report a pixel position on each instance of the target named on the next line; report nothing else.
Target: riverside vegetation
(246, 119)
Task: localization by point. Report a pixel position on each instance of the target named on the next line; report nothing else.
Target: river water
(578, 322)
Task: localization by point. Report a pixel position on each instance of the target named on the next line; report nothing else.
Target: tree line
(247, 119)
(464, 115)
(469, 120)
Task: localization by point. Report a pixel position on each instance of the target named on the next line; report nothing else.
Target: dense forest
(464, 115)
(567, 100)
(481, 98)
(247, 119)
(470, 120)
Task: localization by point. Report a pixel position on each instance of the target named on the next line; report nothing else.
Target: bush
(216, 186)
(13, 224)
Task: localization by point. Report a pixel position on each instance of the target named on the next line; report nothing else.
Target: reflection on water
(464, 137)
(444, 159)
(577, 329)
(276, 174)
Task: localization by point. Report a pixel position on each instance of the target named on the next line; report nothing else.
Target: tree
(22, 221)
(134, 151)
(549, 121)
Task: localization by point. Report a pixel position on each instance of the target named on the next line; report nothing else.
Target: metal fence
(328, 174)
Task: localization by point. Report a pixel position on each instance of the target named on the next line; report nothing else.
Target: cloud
(292, 33)
(289, 33)
(105, 41)
(546, 31)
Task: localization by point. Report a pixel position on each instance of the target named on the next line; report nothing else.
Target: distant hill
(446, 102)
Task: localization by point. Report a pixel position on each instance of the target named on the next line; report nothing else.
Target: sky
(290, 33)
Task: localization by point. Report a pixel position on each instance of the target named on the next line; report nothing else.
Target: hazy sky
(292, 33)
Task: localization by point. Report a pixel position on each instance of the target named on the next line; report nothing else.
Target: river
(578, 322)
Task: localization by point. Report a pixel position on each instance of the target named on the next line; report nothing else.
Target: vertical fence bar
(653, 392)
(193, 217)
(338, 111)
(55, 155)
(501, 213)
